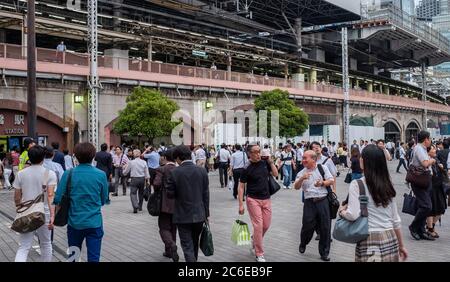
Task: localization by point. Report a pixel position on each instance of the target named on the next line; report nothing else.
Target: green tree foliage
(148, 113)
(293, 121)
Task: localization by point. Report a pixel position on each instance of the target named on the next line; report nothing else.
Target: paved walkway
(134, 237)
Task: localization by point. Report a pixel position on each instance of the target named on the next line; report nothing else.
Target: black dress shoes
(414, 234)
(325, 258)
(301, 249)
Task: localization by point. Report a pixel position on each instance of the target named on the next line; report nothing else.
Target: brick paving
(134, 237)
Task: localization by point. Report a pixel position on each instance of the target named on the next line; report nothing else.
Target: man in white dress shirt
(238, 162)
(139, 176)
(224, 158)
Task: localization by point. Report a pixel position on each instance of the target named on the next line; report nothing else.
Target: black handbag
(331, 196)
(274, 186)
(146, 193)
(418, 176)
(348, 177)
(409, 204)
(111, 187)
(206, 240)
(333, 202)
(154, 203)
(62, 215)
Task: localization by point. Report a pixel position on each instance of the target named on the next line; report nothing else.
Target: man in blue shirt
(88, 193)
(152, 158)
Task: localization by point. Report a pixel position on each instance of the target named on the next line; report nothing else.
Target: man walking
(259, 205)
(238, 162)
(139, 176)
(28, 143)
(224, 159)
(401, 152)
(30, 183)
(58, 155)
(188, 184)
(104, 161)
(420, 158)
(167, 229)
(152, 158)
(316, 210)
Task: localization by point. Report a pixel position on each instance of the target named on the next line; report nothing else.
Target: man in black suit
(58, 156)
(104, 161)
(188, 184)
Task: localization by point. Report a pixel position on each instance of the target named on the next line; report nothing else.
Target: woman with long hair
(355, 164)
(385, 242)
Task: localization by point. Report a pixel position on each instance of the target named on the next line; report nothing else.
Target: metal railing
(17, 52)
(398, 17)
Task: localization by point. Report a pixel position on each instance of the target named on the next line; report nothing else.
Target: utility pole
(346, 110)
(93, 79)
(424, 97)
(31, 71)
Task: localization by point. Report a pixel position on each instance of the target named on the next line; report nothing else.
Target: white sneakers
(260, 259)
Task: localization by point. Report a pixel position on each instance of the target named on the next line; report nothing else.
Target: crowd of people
(180, 175)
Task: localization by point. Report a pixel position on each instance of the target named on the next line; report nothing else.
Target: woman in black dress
(438, 198)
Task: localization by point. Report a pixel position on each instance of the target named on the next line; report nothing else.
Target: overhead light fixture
(134, 48)
(57, 17)
(78, 99)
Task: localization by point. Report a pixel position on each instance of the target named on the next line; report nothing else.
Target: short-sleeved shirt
(200, 154)
(30, 181)
(286, 158)
(256, 175)
(420, 154)
(308, 187)
(329, 164)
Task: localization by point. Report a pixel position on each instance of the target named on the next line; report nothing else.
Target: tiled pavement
(134, 237)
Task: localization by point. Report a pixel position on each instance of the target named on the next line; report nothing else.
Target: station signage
(199, 53)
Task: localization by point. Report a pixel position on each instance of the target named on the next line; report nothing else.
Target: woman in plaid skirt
(385, 242)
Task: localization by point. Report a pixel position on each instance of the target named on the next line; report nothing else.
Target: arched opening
(411, 131)
(391, 132)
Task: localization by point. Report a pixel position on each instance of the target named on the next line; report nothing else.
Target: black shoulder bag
(62, 216)
(274, 186)
(332, 197)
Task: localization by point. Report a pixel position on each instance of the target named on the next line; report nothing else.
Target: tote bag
(30, 214)
(358, 230)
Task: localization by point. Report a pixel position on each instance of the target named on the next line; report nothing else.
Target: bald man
(316, 209)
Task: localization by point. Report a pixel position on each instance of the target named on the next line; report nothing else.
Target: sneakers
(325, 258)
(260, 259)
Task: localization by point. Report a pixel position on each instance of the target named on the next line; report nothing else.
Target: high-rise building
(427, 9)
(406, 6)
(441, 22)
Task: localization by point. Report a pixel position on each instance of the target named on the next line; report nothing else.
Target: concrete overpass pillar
(150, 54)
(298, 78)
(387, 90)
(356, 83)
(370, 86)
(313, 76)
(24, 36)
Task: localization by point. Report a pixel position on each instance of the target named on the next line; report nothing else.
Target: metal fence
(10, 51)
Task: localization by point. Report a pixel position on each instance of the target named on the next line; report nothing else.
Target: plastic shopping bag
(240, 234)
(230, 184)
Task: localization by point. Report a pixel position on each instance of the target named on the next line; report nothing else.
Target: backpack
(397, 153)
